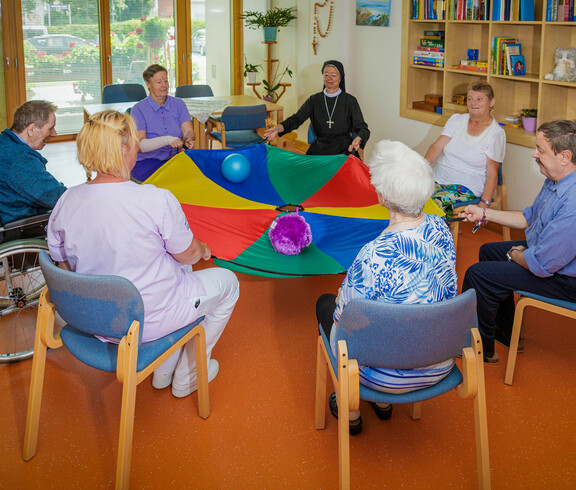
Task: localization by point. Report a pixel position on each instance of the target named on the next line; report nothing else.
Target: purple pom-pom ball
(289, 234)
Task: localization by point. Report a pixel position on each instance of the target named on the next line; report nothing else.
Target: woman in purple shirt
(163, 123)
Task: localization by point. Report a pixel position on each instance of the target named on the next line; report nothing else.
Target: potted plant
(270, 20)
(270, 87)
(250, 71)
(529, 119)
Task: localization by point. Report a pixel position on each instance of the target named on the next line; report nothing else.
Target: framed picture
(373, 13)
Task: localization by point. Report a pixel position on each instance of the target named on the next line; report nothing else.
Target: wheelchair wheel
(21, 283)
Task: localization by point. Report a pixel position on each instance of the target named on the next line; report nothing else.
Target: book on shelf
(428, 54)
(433, 43)
(513, 10)
(428, 62)
(431, 48)
(512, 49)
(560, 11)
(527, 10)
(518, 65)
(428, 9)
(482, 69)
(483, 64)
(439, 34)
(499, 54)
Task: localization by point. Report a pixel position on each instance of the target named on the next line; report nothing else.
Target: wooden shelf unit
(270, 60)
(539, 39)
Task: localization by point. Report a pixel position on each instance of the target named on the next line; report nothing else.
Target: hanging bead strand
(317, 30)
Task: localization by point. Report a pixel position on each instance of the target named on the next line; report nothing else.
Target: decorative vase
(529, 124)
(270, 34)
(268, 98)
(251, 75)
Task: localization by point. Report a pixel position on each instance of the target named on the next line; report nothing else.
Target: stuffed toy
(289, 234)
(565, 69)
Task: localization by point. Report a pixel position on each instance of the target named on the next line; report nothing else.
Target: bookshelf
(539, 39)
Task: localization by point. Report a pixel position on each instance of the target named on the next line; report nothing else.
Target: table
(200, 109)
(200, 116)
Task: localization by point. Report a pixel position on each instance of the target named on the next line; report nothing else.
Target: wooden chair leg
(455, 229)
(45, 315)
(516, 329)
(481, 429)
(416, 411)
(321, 374)
(506, 233)
(343, 417)
(202, 373)
(127, 359)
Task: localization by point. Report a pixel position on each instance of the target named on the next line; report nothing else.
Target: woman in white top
(469, 152)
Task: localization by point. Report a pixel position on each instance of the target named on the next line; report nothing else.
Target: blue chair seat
(104, 355)
(569, 305)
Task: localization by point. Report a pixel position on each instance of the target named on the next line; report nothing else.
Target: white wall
(371, 57)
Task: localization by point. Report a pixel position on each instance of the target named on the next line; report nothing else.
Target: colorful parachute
(334, 194)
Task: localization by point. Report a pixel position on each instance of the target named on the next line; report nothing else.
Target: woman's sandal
(355, 426)
(382, 413)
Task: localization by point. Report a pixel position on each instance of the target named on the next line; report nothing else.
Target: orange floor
(261, 434)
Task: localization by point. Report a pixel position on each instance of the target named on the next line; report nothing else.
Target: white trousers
(222, 291)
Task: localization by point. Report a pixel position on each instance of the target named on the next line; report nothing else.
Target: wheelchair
(21, 283)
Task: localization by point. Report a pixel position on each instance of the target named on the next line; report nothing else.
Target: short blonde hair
(100, 143)
(402, 176)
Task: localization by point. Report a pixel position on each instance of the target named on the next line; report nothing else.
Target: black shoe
(382, 413)
(503, 339)
(355, 425)
(493, 359)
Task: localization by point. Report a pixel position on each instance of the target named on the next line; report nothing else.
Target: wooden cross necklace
(330, 114)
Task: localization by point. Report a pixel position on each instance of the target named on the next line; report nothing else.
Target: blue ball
(235, 168)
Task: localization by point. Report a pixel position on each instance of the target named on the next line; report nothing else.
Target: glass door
(211, 44)
(62, 57)
(141, 36)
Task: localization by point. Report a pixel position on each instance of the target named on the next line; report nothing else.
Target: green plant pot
(270, 34)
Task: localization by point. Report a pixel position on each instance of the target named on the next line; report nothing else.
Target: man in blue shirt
(545, 263)
(26, 187)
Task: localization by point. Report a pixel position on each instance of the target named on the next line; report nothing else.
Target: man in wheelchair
(26, 187)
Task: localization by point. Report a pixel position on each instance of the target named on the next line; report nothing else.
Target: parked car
(29, 31)
(58, 44)
(199, 42)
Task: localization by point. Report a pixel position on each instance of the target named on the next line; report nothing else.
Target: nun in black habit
(334, 114)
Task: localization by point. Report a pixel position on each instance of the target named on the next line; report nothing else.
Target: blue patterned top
(409, 266)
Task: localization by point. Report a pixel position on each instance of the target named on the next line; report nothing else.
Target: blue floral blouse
(409, 266)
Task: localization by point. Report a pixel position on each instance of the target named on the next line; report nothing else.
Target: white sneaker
(161, 381)
(213, 368)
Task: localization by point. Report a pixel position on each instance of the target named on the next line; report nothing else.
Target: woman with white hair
(384, 271)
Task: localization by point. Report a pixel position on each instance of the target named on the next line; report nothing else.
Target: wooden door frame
(13, 43)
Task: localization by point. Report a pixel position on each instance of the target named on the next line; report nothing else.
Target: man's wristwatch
(485, 201)
(508, 256)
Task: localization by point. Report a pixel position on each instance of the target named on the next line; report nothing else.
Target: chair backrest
(311, 135)
(237, 118)
(97, 305)
(123, 92)
(187, 91)
(406, 336)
